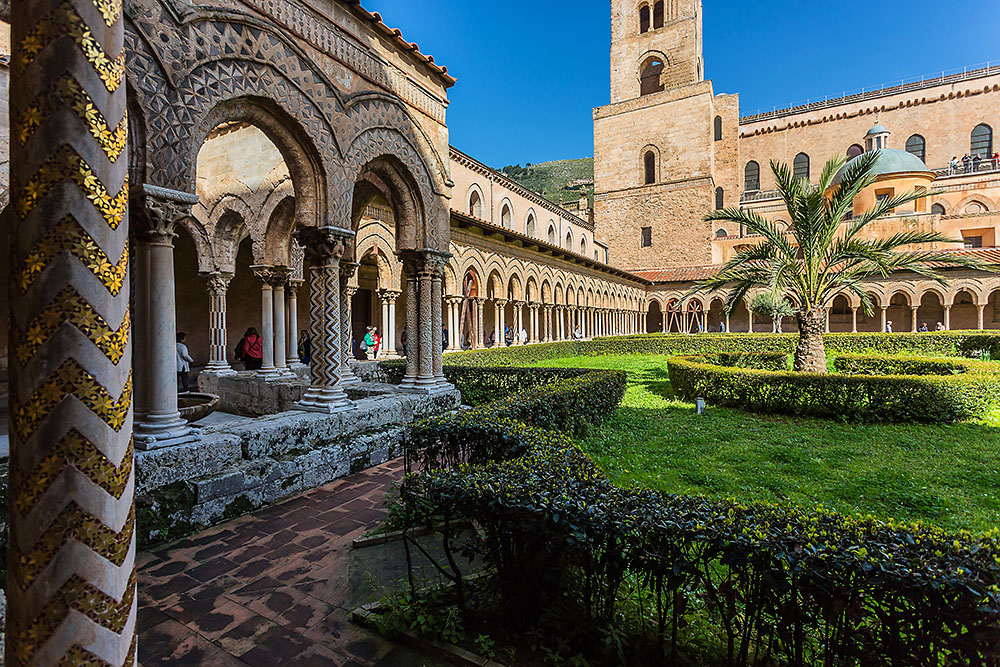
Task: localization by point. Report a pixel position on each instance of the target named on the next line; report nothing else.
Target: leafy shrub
(853, 397)
(867, 364)
(783, 586)
(944, 343)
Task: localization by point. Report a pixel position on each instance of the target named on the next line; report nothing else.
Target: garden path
(271, 589)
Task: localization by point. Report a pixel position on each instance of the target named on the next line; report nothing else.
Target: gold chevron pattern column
(71, 561)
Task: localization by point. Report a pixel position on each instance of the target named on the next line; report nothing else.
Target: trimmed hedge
(499, 430)
(867, 364)
(781, 585)
(852, 397)
(944, 343)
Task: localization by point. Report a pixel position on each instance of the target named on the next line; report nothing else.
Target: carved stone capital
(325, 245)
(389, 295)
(348, 269)
(162, 209)
(217, 283)
(272, 276)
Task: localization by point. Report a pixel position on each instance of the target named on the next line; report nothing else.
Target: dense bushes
(869, 364)
(853, 397)
(779, 586)
(947, 343)
(502, 429)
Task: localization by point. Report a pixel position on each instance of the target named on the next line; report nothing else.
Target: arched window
(720, 198)
(937, 209)
(917, 145)
(751, 177)
(583, 246)
(658, 14)
(506, 217)
(529, 226)
(476, 205)
(597, 256)
(644, 19)
(982, 141)
(721, 233)
(718, 128)
(854, 151)
(650, 82)
(569, 241)
(649, 167)
(551, 238)
(800, 167)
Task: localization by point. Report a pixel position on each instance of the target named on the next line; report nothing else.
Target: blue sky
(529, 72)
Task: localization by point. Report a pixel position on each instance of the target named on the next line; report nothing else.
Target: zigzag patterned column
(71, 559)
(347, 292)
(325, 248)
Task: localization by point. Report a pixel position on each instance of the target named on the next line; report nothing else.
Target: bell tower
(655, 45)
(666, 147)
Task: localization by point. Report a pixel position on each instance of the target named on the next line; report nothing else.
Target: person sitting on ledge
(923, 328)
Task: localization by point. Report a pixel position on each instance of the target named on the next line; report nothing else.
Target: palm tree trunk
(810, 355)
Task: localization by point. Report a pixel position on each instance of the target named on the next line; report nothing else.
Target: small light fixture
(699, 405)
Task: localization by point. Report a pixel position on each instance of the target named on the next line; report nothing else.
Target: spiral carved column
(71, 556)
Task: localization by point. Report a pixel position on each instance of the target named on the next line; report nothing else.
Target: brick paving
(270, 589)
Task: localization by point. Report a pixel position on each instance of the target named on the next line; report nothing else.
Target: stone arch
(475, 201)
(964, 310)
(531, 290)
(531, 223)
(202, 242)
(496, 284)
(969, 204)
(546, 293)
(514, 288)
(505, 213)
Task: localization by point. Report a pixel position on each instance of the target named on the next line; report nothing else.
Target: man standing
(183, 362)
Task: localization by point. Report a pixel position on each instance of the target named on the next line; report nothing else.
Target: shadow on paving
(274, 588)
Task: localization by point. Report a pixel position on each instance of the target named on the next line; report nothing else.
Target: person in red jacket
(251, 350)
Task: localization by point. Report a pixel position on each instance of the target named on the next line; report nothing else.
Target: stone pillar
(71, 554)
(519, 311)
(218, 285)
(750, 320)
(162, 425)
(325, 248)
(499, 320)
(389, 313)
(280, 279)
(347, 291)
(455, 326)
(266, 276)
(426, 378)
(479, 333)
(422, 319)
(854, 320)
(982, 321)
(947, 318)
(885, 319)
(913, 319)
(140, 328)
(827, 310)
(436, 263)
(533, 323)
(412, 335)
(292, 326)
(728, 330)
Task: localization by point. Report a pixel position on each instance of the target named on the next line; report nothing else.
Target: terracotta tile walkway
(270, 589)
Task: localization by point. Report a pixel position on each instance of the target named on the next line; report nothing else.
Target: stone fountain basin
(195, 406)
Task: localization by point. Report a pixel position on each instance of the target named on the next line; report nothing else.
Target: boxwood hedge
(783, 586)
(959, 390)
(945, 343)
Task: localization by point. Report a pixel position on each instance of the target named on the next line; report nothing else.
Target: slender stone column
(479, 334)
(325, 248)
(499, 322)
(982, 321)
(947, 318)
(162, 425)
(389, 335)
(292, 327)
(533, 338)
(854, 320)
(728, 330)
(280, 279)
(885, 319)
(71, 553)
(436, 263)
(140, 328)
(218, 284)
(750, 320)
(347, 291)
(454, 323)
(412, 335)
(266, 276)
(828, 310)
(913, 319)
(561, 313)
(426, 324)
(519, 322)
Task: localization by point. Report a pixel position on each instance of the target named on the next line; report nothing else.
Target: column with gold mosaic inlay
(71, 557)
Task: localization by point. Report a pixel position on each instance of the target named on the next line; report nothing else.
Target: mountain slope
(560, 181)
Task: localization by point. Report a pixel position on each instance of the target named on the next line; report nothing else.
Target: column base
(219, 370)
(161, 431)
(269, 374)
(325, 400)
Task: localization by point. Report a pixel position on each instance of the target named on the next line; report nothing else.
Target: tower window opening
(751, 177)
(854, 151)
(800, 167)
(644, 19)
(718, 128)
(649, 164)
(647, 237)
(917, 145)
(720, 199)
(650, 81)
(658, 14)
(982, 141)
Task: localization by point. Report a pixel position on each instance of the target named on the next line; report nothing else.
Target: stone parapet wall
(235, 469)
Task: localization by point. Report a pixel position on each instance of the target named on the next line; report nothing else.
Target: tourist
(888, 326)
(508, 337)
(939, 327)
(183, 362)
(444, 337)
(368, 343)
(996, 160)
(967, 162)
(954, 164)
(577, 334)
(976, 159)
(923, 328)
(305, 347)
(378, 342)
(524, 336)
(722, 327)
(251, 350)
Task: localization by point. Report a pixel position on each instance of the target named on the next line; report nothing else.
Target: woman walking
(252, 350)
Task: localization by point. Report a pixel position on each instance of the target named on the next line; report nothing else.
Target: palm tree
(823, 255)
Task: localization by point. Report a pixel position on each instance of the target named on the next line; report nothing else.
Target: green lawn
(946, 475)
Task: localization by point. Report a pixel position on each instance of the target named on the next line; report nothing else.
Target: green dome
(878, 129)
(889, 161)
